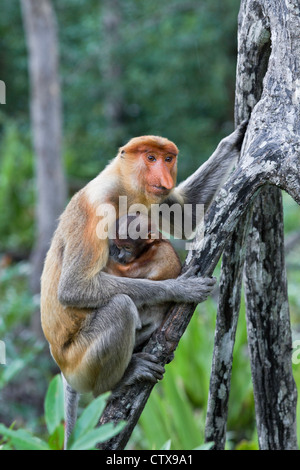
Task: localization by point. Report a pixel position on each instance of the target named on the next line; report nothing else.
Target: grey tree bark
(46, 119)
(267, 91)
(268, 324)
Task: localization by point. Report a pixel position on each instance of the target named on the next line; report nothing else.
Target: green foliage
(54, 405)
(176, 78)
(17, 303)
(16, 308)
(84, 437)
(13, 61)
(16, 189)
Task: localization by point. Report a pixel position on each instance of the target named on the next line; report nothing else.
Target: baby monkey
(147, 257)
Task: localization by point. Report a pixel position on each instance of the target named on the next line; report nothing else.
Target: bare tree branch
(267, 87)
(46, 115)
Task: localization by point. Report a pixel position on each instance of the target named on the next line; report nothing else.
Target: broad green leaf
(56, 440)
(184, 421)
(54, 404)
(23, 440)
(89, 418)
(92, 437)
(156, 427)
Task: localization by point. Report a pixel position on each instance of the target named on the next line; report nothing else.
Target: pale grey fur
(96, 292)
(71, 399)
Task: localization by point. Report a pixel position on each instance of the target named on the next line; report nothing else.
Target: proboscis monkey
(90, 317)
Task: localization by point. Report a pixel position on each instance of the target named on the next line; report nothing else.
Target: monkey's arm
(202, 186)
(75, 291)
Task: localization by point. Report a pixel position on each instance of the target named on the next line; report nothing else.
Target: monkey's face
(160, 172)
(134, 235)
(149, 166)
(124, 252)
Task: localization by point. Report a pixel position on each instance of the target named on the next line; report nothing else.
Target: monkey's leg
(106, 345)
(151, 318)
(71, 399)
(108, 338)
(120, 323)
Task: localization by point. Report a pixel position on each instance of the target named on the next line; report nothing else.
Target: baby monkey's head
(134, 235)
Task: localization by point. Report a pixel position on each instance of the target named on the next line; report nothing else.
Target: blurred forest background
(125, 68)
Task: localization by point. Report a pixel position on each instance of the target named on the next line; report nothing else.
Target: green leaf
(56, 440)
(23, 440)
(89, 418)
(54, 404)
(89, 440)
(185, 423)
(156, 427)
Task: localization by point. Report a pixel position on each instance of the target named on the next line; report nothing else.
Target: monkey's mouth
(159, 190)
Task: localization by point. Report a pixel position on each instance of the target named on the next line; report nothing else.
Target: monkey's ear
(122, 153)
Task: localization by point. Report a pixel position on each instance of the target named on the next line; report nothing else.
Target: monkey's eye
(127, 247)
(169, 159)
(151, 158)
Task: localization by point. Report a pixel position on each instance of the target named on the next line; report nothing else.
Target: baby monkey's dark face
(128, 245)
(126, 251)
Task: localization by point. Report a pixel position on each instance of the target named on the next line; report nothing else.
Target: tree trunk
(262, 85)
(41, 36)
(267, 89)
(268, 325)
(227, 319)
(113, 101)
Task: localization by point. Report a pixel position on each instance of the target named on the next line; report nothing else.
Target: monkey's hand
(236, 138)
(193, 289)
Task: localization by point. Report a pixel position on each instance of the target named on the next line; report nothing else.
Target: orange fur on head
(142, 144)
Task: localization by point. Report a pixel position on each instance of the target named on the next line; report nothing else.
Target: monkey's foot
(142, 367)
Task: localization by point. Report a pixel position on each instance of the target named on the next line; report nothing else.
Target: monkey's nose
(167, 183)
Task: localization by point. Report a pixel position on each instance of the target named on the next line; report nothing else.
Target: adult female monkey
(90, 317)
